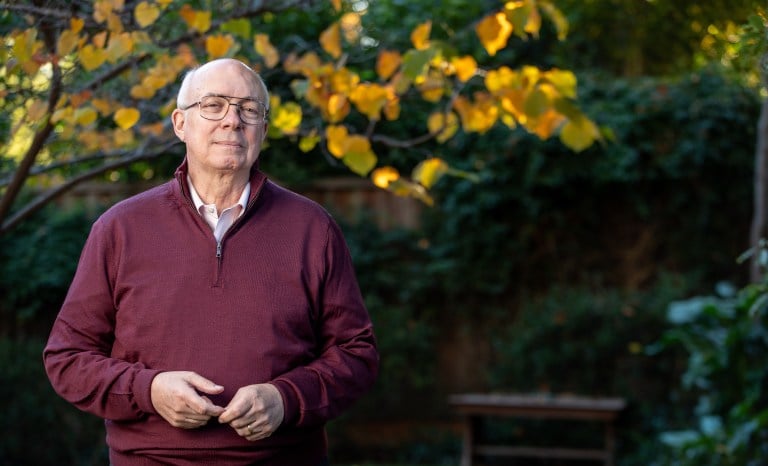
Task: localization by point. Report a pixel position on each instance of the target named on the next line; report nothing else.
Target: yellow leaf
(127, 117)
(494, 31)
(479, 116)
(67, 42)
(432, 88)
(392, 108)
(286, 118)
(420, 35)
(336, 137)
(351, 26)
(336, 107)
(564, 81)
(114, 23)
(85, 116)
(465, 67)
(500, 79)
(384, 176)
(143, 92)
(99, 40)
(218, 45)
(579, 134)
(102, 9)
(197, 20)
(336, 5)
(387, 63)
(429, 172)
(146, 14)
(369, 99)
(92, 57)
(546, 124)
(76, 25)
(121, 137)
(120, 45)
(308, 142)
(358, 155)
(443, 125)
(267, 51)
(330, 40)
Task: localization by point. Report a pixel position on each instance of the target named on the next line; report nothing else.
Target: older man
(215, 319)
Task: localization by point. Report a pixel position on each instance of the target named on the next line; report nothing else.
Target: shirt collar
(199, 204)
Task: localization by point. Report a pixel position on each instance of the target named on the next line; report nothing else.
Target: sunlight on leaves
(384, 176)
(429, 171)
(494, 31)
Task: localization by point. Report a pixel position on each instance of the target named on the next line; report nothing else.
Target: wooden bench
(474, 406)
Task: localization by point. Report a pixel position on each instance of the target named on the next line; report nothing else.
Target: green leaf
(360, 163)
(415, 62)
(238, 27)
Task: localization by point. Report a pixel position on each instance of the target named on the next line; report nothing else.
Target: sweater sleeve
(348, 362)
(77, 355)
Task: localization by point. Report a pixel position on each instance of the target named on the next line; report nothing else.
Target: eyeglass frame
(238, 107)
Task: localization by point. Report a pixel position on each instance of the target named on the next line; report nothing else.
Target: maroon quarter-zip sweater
(276, 301)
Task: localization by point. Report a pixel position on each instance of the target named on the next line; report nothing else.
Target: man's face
(227, 145)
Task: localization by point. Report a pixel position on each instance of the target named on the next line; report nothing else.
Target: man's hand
(255, 412)
(176, 397)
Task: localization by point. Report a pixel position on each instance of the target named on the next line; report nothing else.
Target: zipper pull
(218, 250)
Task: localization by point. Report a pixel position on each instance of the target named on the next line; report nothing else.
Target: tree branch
(44, 198)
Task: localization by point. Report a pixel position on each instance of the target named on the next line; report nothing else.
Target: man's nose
(232, 117)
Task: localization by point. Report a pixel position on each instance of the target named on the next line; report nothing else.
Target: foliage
(37, 263)
(90, 87)
(37, 426)
(725, 337)
(651, 38)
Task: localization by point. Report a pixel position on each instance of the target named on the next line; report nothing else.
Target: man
(215, 319)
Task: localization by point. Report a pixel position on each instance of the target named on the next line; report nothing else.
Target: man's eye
(213, 106)
(250, 111)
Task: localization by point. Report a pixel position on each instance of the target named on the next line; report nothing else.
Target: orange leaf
(465, 67)
(218, 45)
(336, 5)
(127, 117)
(420, 35)
(76, 25)
(67, 42)
(387, 63)
(369, 99)
(494, 31)
(330, 40)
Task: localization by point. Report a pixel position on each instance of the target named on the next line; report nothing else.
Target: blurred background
(608, 271)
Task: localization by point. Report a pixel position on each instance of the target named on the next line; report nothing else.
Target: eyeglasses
(215, 107)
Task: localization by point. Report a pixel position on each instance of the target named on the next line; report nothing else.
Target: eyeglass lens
(214, 107)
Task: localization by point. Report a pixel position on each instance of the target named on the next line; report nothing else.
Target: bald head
(196, 80)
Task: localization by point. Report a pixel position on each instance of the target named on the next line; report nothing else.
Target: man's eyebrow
(212, 94)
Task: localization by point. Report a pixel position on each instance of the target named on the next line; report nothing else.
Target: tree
(83, 82)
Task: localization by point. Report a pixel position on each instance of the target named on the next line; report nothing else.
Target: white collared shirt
(219, 223)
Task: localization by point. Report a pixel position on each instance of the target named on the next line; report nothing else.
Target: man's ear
(178, 119)
(264, 133)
